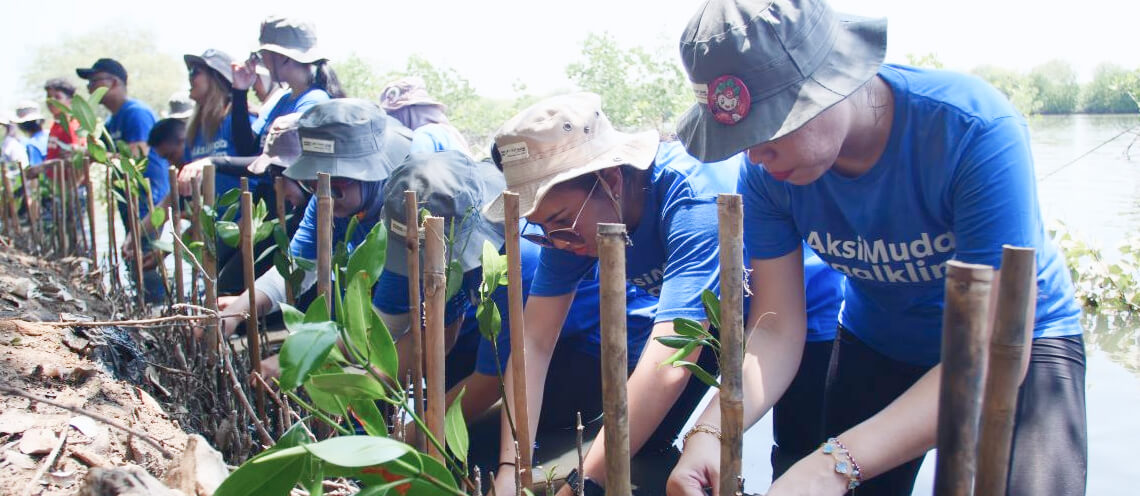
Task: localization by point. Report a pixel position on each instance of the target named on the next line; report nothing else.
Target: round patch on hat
(728, 99)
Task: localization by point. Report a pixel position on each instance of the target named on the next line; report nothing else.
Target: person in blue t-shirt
(572, 170)
(453, 186)
(358, 144)
(131, 120)
(408, 101)
(887, 172)
(31, 124)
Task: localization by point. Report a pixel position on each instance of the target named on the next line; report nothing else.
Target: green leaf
(157, 218)
(304, 350)
(712, 307)
(293, 317)
(330, 403)
(95, 148)
(228, 198)
(163, 245)
(368, 415)
(369, 256)
(353, 223)
(494, 267)
(407, 478)
(348, 386)
(689, 328)
(295, 436)
(318, 310)
(455, 428)
(260, 210)
(490, 321)
(357, 313)
(454, 279)
(262, 232)
(230, 212)
(306, 264)
(229, 233)
(700, 373)
(83, 113)
(96, 96)
(280, 238)
(679, 354)
(358, 451)
(259, 476)
(675, 342)
(381, 347)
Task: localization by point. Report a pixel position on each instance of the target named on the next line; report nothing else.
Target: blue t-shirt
(431, 138)
(304, 242)
(675, 245)
(157, 173)
(221, 144)
(955, 181)
(36, 146)
(286, 105)
(132, 123)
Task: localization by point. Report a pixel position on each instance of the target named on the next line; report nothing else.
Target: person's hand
(187, 175)
(224, 302)
(812, 475)
(244, 74)
(698, 468)
(271, 368)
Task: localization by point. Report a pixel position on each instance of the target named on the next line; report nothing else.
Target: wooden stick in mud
(1007, 357)
(611, 259)
(731, 234)
(146, 229)
(133, 219)
(94, 248)
(518, 337)
(435, 299)
(58, 219)
(965, 320)
(176, 231)
(196, 235)
(279, 188)
(30, 209)
(112, 243)
(253, 339)
(415, 315)
(324, 238)
(10, 213)
(210, 261)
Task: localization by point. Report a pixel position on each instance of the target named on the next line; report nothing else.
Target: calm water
(1098, 196)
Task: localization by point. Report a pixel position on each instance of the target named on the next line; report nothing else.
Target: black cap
(109, 66)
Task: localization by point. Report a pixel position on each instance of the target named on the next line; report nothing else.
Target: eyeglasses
(569, 236)
(336, 185)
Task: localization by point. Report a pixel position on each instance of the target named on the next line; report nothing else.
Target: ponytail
(325, 78)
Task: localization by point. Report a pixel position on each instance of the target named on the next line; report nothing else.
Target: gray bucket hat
(451, 185)
(216, 60)
(290, 37)
(763, 68)
(349, 138)
(179, 106)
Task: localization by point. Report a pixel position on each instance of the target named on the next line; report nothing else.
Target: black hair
(31, 127)
(326, 79)
(165, 131)
(61, 85)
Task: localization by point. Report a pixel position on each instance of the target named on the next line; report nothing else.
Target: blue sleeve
(158, 173)
(692, 249)
(137, 125)
(424, 142)
(308, 100)
(34, 155)
(304, 242)
(391, 293)
(993, 194)
(559, 272)
(769, 230)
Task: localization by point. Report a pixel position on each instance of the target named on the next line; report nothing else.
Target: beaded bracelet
(845, 464)
(705, 428)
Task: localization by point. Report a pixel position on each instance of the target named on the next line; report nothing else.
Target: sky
(496, 43)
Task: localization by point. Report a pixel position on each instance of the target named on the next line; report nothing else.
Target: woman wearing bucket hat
(451, 185)
(357, 144)
(839, 145)
(408, 101)
(572, 170)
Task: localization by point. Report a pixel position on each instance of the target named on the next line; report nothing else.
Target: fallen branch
(74, 409)
(141, 322)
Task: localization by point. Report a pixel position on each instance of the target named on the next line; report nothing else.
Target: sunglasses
(568, 237)
(336, 185)
(94, 82)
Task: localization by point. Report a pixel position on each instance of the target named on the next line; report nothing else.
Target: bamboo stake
(251, 332)
(611, 256)
(731, 228)
(518, 337)
(57, 203)
(196, 235)
(435, 299)
(1003, 378)
(61, 221)
(415, 321)
(279, 188)
(10, 213)
(176, 232)
(210, 261)
(133, 214)
(94, 249)
(30, 209)
(324, 238)
(964, 324)
(165, 278)
(112, 243)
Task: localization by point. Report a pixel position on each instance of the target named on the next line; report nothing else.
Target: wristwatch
(589, 487)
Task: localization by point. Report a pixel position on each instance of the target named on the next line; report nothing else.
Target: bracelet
(845, 464)
(705, 428)
(507, 463)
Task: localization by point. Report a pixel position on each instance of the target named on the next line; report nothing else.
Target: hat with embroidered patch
(763, 68)
(349, 138)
